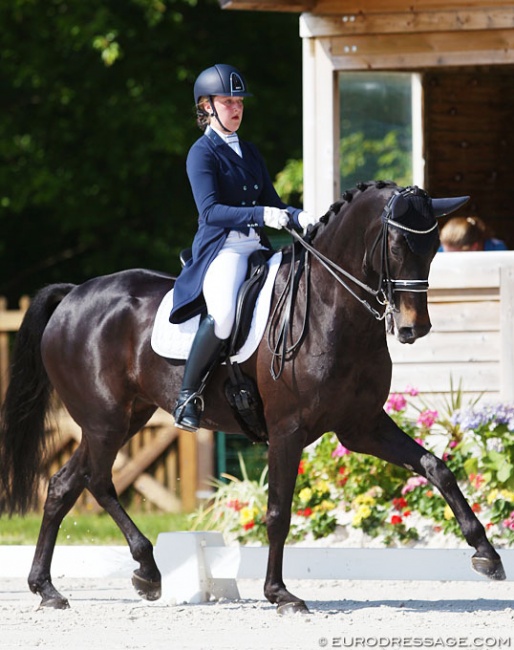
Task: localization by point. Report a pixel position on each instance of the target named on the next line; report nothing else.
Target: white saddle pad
(174, 341)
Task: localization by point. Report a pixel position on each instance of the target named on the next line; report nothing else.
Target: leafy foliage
(97, 117)
(337, 489)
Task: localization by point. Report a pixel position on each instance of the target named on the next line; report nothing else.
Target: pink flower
(476, 480)
(340, 451)
(509, 522)
(412, 483)
(427, 418)
(396, 402)
(409, 390)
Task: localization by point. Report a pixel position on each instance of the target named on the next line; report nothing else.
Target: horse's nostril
(411, 334)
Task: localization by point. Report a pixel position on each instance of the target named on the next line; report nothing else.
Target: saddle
(240, 390)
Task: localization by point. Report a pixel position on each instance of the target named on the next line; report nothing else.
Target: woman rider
(235, 199)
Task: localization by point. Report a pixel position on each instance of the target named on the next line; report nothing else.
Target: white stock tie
(233, 142)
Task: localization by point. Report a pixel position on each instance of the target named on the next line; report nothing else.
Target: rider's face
(230, 111)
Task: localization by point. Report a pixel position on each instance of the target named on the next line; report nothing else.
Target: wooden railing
(471, 306)
(161, 468)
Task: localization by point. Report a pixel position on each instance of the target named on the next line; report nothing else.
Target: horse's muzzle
(412, 333)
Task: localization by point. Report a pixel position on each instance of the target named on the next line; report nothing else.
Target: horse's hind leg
(63, 490)
(146, 579)
(393, 445)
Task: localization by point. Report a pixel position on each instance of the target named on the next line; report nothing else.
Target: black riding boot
(205, 352)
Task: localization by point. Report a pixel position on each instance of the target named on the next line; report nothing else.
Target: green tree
(96, 119)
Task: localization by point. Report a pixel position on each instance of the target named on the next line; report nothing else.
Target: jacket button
(243, 202)
(244, 188)
(255, 187)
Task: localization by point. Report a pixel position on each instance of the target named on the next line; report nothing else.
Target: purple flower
(489, 417)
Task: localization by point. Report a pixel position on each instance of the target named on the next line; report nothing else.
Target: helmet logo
(236, 83)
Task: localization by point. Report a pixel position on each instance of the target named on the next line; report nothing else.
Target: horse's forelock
(414, 210)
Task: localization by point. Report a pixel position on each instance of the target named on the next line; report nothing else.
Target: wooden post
(507, 333)
(188, 469)
(4, 354)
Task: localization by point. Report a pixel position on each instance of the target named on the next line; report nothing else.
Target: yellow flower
(246, 515)
(325, 505)
(492, 496)
(321, 487)
(362, 513)
(448, 513)
(364, 499)
(508, 495)
(305, 495)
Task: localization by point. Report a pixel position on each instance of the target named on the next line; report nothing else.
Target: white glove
(275, 217)
(305, 219)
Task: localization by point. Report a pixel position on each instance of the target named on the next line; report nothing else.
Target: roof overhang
(297, 6)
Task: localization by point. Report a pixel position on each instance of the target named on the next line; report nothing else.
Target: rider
(235, 199)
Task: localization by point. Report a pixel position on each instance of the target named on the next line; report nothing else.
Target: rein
(383, 294)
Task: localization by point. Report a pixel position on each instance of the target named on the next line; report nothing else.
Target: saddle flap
(247, 297)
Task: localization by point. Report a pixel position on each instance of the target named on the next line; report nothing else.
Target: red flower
(406, 513)
(301, 467)
(249, 525)
(396, 519)
(306, 512)
(476, 507)
(400, 503)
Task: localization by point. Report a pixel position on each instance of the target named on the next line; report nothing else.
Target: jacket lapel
(228, 152)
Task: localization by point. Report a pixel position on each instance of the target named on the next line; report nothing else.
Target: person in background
(468, 234)
(235, 199)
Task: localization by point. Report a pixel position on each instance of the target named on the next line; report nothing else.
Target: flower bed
(347, 498)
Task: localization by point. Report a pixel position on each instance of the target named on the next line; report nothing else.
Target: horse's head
(402, 247)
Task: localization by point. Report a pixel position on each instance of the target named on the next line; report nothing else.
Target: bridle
(383, 294)
(387, 286)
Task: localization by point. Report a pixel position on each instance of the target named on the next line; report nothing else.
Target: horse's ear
(442, 207)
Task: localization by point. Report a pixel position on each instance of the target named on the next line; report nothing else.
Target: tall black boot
(205, 352)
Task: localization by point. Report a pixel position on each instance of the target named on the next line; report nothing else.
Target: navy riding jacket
(230, 193)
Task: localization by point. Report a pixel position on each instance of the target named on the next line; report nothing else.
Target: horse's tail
(22, 416)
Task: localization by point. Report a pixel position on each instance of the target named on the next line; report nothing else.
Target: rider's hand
(305, 219)
(275, 217)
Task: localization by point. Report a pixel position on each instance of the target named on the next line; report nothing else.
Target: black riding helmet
(222, 80)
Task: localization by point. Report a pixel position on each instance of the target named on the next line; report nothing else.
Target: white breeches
(225, 276)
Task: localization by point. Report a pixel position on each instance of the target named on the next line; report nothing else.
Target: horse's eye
(396, 251)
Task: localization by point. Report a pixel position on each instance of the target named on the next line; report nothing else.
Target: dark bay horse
(368, 261)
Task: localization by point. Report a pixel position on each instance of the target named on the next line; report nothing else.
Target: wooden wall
(469, 141)
(471, 306)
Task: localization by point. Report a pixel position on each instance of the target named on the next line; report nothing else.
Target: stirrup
(192, 401)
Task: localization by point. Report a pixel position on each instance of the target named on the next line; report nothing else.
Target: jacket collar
(228, 152)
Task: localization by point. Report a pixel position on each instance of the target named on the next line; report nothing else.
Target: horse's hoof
(56, 602)
(147, 589)
(492, 569)
(294, 607)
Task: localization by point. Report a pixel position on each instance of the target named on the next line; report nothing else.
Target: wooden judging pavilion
(462, 52)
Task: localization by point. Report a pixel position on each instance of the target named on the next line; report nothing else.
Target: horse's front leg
(390, 443)
(283, 459)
